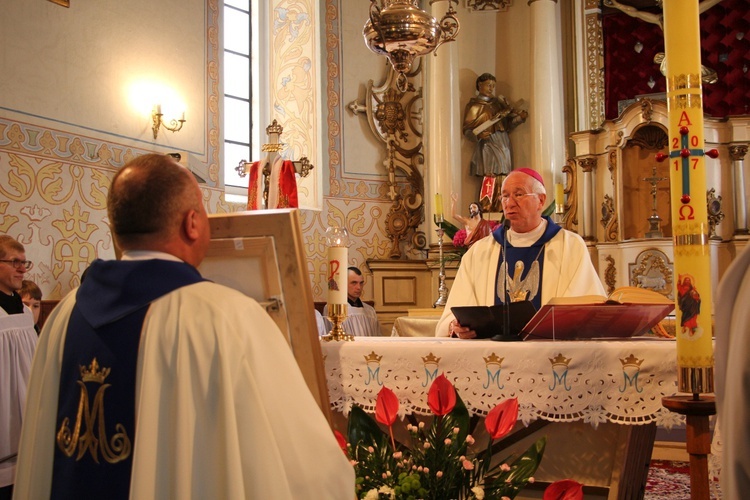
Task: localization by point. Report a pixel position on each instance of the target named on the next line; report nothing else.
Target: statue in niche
(487, 120)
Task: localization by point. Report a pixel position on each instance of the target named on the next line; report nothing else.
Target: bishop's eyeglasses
(18, 263)
(516, 196)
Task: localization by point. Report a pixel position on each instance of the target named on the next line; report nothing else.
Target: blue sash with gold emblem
(95, 428)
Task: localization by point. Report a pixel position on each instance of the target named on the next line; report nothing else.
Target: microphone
(506, 297)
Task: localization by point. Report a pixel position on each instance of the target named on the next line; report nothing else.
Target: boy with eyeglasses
(17, 343)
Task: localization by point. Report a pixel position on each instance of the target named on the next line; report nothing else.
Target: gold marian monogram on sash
(94, 437)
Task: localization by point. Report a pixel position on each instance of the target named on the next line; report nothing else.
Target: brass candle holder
(336, 315)
(442, 289)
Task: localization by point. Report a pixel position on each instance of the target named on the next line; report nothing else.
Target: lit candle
(559, 198)
(337, 275)
(438, 208)
(337, 239)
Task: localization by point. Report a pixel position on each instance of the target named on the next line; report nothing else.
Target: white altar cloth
(621, 382)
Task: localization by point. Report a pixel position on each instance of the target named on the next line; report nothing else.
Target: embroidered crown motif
(93, 374)
(493, 359)
(631, 361)
(560, 360)
(431, 359)
(373, 357)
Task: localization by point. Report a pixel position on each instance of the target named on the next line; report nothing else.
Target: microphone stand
(505, 335)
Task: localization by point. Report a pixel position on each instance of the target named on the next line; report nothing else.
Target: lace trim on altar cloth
(615, 382)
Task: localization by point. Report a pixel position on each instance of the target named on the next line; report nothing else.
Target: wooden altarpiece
(261, 254)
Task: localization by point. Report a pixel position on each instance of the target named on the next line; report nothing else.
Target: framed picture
(64, 3)
(260, 253)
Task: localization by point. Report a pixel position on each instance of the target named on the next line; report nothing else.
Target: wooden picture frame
(261, 254)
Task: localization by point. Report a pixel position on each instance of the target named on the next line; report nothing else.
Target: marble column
(588, 228)
(737, 153)
(442, 128)
(546, 100)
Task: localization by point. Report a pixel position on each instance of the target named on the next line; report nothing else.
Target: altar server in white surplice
(17, 341)
(361, 319)
(150, 382)
(733, 376)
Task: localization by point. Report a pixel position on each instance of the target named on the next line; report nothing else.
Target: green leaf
(459, 417)
(450, 229)
(363, 428)
(549, 210)
(510, 483)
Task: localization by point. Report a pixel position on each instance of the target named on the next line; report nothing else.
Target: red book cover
(627, 312)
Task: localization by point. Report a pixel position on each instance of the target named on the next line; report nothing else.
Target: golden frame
(64, 3)
(261, 254)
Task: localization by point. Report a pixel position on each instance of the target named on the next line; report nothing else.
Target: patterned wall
(54, 180)
(53, 190)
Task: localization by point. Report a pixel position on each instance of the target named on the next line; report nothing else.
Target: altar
(602, 398)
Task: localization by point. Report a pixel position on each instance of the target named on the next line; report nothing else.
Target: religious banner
(688, 185)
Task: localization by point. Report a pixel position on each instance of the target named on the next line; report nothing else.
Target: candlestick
(336, 280)
(442, 289)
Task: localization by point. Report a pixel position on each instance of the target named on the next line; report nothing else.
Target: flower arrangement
(441, 461)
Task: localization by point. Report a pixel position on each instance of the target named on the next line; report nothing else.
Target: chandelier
(401, 31)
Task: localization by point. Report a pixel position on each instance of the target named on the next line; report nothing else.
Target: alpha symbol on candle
(334, 267)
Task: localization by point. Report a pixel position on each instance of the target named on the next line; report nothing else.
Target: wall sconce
(173, 126)
(401, 31)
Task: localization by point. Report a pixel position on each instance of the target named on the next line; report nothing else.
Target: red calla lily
(341, 440)
(565, 489)
(442, 396)
(386, 407)
(501, 419)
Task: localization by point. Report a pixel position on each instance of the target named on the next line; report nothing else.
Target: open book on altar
(626, 312)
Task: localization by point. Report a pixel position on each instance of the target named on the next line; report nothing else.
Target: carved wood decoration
(488, 5)
(609, 207)
(570, 217)
(610, 274)
(653, 270)
(715, 212)
(609, 218)
(394, 118)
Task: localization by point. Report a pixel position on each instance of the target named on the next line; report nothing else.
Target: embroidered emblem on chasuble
(431, 366)
(494, 365)
(559, 365)
(96, 409)
(631, 368)
(89, 432)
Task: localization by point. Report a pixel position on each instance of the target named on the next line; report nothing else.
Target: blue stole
(95, 428)
(526, 255)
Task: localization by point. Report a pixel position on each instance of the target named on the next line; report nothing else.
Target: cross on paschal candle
(686, 157)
